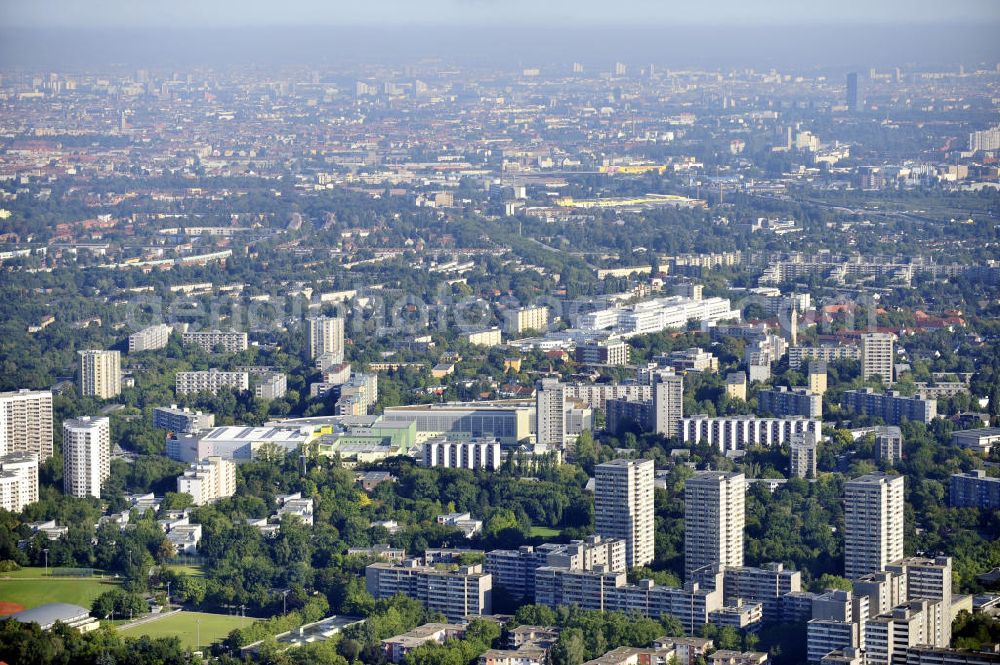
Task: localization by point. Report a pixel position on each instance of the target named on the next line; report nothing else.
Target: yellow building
(442, 370)
(736, 385)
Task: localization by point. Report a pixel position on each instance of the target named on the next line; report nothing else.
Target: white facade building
(550, 410)
(877, 356)
(149, 339)
(623, 506)
(517, 321)
(18, 481)
(86, 455)
(208, 480)
(453, 454)
(209, 341)
(655, 315)
(737, 432)
(325, 335)
(211, 381)
(26, 423)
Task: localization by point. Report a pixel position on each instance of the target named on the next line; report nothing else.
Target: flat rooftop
(237, 433)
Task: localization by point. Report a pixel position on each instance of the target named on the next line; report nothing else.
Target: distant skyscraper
(325, 335)
(86, 455)
(26, 423)
(713, 520)
(852, 91)
(100, 373)
(668, 402)
(550, 413)
(873, 523)
(623, 506)
(803, 455)
(877, 356)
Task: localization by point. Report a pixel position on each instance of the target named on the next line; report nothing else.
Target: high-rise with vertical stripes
(26, 423)
(623, 506)
(100, 373)
(873, 524)
(325, 335)
(714, 518)
(550, 413)
(877, 356)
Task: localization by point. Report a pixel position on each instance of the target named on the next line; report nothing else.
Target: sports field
(30, 589)
(186, 569)
(29, 571)
(185, 625)
(544, 531)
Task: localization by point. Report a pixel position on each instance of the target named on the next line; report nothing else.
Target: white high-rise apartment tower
(623, 506)
(668, 402)
(26, 423)
(714, 519)
(873, 524)
(18, 481)
(100, 373)
(877, 356)
(86, 455)
(550, 413)
(325, 335)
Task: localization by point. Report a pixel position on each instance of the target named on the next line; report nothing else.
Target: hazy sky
(551, 13)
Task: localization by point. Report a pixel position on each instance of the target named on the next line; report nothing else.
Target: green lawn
(24, 572)
(192, 570)
(544, 532)
(35, 592)
(184, 625)
(38, 571)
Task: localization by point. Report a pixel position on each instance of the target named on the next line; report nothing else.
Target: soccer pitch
(34, 592)
(188, 625)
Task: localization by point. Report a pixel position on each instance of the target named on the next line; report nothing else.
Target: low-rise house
(397, 647)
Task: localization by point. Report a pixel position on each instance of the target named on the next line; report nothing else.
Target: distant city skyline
(552, 13)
